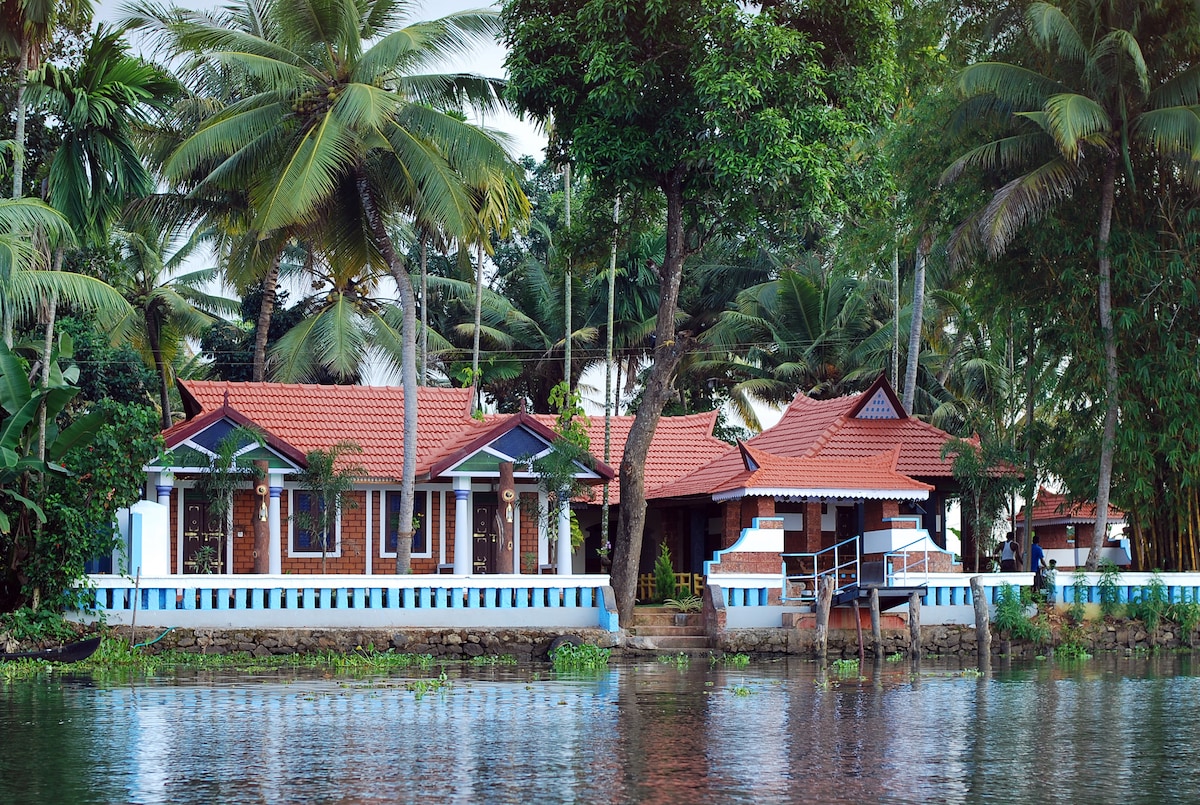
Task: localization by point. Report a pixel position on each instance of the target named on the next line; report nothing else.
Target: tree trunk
(895, 315)
(914, 330)
(51, 312)
(265, 310)
(1109, 434)
(608, 371)
(627, 549)
(478, 323)
(423, 369)
(567, 284)
(19, 132)
(1030, 470)
(408, 373)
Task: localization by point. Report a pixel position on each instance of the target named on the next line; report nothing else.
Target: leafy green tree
(47, 505)
(1114, 86)
(26, 28)
(329, 475)
(724, 112)
(340, 128)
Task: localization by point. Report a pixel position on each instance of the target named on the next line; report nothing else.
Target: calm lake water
(1105, 730)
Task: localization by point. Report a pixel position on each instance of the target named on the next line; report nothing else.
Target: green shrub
(1150, 604)
(1079, 586)
(1011, 619)
(1110, 576)
(1187, 614)
(584, 657)
(30, 625)
(686, 603)
(664, 575)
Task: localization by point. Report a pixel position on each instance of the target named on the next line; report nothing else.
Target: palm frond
(1053, 30)
(1023, 89)
(1026, 198)
(1074, 118)
(1173, 131)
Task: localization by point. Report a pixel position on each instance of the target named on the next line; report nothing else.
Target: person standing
(1037, 560)
(1010, 554)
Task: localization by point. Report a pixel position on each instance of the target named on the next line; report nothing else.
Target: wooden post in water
(862, 657)
(914, 625)
(983, 631)
(876, 632)
(824, 600)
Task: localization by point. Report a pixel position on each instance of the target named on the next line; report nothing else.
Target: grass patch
(730, 660)
(584, 657)
(845, 666)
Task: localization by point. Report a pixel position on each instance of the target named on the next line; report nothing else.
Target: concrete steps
(660, 630)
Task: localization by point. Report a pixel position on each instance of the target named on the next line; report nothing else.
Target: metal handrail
(810, 591)
(890, 574)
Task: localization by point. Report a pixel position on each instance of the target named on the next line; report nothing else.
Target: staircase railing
(905, 552)
(802, 572)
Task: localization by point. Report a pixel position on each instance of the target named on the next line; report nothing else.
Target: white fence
(344, 601)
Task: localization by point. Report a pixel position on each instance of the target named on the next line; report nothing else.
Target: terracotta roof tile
(317, 417)
(826, 429)
(920, 444)
(873, 476)
(680, 444)
(1049, 507)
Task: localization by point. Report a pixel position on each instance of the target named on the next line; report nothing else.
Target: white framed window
(304, 538)
(422, 542)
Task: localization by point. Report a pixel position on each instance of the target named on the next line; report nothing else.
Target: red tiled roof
(1049, 507)
(872, 476)
(181, 431)
(457, 449)
(312, 417)
(680, 444)
(827, 429)
(920, 444)
(802, 424)
(317, 417)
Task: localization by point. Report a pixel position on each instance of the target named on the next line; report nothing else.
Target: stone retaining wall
(958, 641)
(524, 644)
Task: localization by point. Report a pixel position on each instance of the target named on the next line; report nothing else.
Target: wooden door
(203, 537)
(485, 537)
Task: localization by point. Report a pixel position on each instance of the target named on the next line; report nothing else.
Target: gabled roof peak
(879, 401)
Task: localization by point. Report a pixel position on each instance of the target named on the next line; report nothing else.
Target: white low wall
(346, 601)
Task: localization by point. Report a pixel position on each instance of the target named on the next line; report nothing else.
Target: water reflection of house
(1065, 530)
(828, 471)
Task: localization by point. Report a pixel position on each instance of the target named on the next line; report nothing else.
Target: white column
(166, 482)
(463, 547)
(564, 541)
(274, 551)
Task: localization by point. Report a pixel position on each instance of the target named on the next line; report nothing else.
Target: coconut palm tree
(168, 306)
(1116, 86)
(25, 28)
(341, 130)
(95, 169)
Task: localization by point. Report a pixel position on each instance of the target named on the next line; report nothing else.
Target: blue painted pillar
(274, 552)
(462, 526)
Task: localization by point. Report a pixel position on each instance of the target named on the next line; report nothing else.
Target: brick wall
(876, 511)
